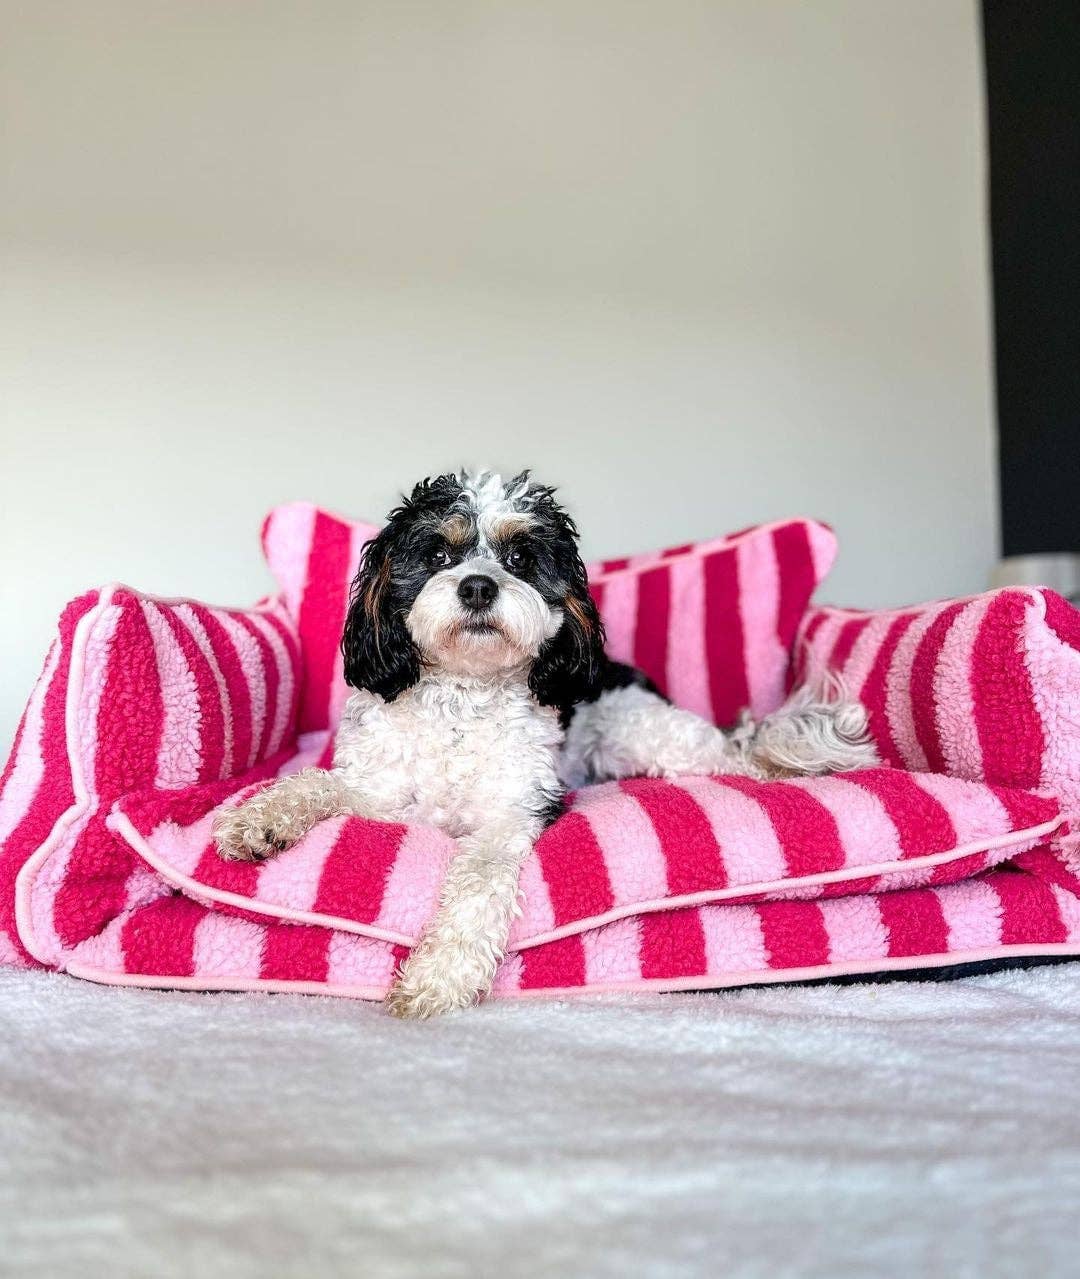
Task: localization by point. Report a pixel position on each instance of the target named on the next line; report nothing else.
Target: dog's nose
(477, 592)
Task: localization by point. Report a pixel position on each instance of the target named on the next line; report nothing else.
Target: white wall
(700, 263)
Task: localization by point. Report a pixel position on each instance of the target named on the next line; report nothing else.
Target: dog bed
(152, 713)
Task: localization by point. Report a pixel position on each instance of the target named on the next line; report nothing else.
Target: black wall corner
(1033, 104)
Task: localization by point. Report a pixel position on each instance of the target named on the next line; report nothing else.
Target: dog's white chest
(455, 754)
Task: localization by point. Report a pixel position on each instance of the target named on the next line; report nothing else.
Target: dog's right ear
(378, 650)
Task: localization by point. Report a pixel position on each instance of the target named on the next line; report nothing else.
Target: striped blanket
(152, 713)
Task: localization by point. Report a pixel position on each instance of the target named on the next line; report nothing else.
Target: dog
(483, 694)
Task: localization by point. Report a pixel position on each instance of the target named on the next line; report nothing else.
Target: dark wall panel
(1033, 103)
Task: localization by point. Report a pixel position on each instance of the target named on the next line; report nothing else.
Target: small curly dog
(483, 693)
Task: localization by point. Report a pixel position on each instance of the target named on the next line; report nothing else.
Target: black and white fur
(483, 692)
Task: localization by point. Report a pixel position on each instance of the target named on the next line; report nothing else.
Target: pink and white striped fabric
(712, 623)
(625, 848)
(314, 557)
(1030, 908)
(137, 692)
(150, 713)
(985, 688)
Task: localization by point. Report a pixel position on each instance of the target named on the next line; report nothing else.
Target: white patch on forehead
(492, 502)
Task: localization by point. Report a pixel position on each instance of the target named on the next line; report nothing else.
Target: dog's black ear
(569, 666)
(378, 650)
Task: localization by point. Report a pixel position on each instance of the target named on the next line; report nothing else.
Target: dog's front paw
(418, 1003)
(251, 833)
(435, 980)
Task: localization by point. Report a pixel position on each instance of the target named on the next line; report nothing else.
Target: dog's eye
(438, 558)
(517, 558)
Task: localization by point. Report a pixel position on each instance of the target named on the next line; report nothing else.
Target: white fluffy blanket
(917, 1129)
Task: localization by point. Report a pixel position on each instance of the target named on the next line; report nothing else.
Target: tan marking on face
(373, 595)
(505, 526)
(457, 529)
(577, 611)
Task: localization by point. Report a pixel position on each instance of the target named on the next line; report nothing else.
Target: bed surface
(925, 1128)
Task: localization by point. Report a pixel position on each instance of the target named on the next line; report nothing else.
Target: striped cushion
(986, 687)
(167, 694)
(712, 623)
(1030, 908)
(625, 848)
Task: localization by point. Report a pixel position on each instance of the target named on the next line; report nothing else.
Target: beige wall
(700, 263)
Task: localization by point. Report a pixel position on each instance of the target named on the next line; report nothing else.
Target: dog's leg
(814, 733)
(631, 732)
(275, 818)
(454, 963)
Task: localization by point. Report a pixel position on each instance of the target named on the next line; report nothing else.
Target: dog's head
(474, 576)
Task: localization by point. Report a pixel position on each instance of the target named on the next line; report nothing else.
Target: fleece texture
(622, 849)
(712, 623)
(150, 713)
(909, 1129)
(986, 687)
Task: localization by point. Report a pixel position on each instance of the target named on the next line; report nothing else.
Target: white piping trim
(772, 977)
(121, 824)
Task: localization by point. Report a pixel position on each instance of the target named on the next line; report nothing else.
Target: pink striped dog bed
(151, 713)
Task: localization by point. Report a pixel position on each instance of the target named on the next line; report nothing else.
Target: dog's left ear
(376, 645)
(569, 665)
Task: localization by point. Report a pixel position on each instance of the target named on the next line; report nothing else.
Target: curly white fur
(630, 732)
(475, 756)
(468, 748)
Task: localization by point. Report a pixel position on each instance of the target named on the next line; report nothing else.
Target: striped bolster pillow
(712, 623)
(137, 691)
(986, 688)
